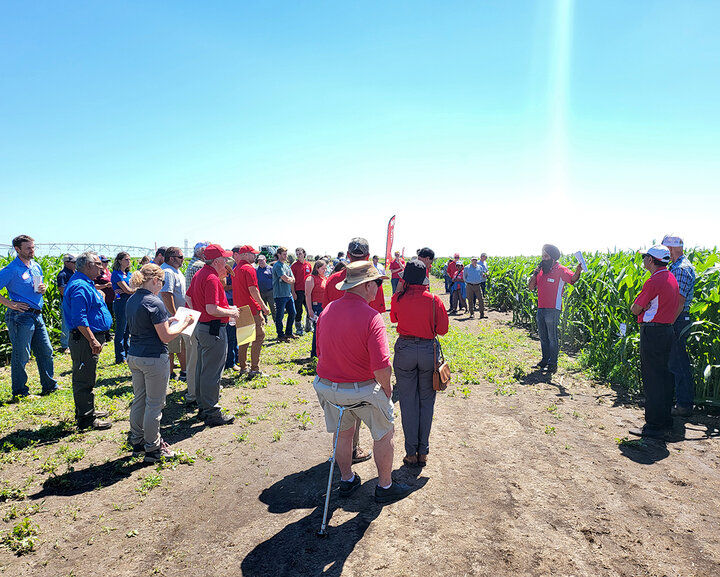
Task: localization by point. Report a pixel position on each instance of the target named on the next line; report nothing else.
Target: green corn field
(597, 308)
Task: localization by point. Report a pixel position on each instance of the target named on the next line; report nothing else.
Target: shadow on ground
(297, 550)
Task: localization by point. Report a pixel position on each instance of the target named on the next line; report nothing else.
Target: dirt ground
(533, 479)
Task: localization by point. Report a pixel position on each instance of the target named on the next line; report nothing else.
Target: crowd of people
(342, 299)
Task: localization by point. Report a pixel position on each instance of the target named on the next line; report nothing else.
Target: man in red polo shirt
(656, 308)
(246, 292)
(550, 277)
(301, 269)
(354, 367)
(206, 294)
(358, 250)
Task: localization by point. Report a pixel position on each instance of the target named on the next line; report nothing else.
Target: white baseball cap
(672, 240)
(659, 252)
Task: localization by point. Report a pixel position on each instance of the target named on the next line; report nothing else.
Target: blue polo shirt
(83, 306)
(63, 278)
(117, 276)
(17, 277)
(264, 278)
(474, 274)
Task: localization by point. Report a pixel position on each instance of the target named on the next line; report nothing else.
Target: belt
(205, 322)
(34, 311)
(473, 283)
(355, 385)
(416, 339)
(655, 324)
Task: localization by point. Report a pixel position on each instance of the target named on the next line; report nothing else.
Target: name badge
(551, 280)
(26, 275)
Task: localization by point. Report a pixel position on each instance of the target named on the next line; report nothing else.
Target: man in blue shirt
(89, 320)
(679, 363)
(283, 281)
(63, 278)
(265, 283)
(474, 275)
(23, 279)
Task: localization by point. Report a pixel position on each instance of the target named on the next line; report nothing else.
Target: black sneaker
(551, 369)
(649, 432)
(191, 406)
(182, 376)
(219, 419)
(138, 449)
(541, 365)
(100, 414)
(347, 487)
(394, 492)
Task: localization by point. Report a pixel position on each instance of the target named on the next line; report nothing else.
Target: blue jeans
(283, 304)
(232, 351)
(317, 309)
(28, 333)
(394, 282)
(122, 333)
(679, 363)
(547, 324)
(448, 283)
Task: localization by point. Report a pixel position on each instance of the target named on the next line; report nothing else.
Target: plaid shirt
(685, 276)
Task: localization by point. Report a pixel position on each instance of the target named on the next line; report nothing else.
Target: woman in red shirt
(315, 294)
(420, 315)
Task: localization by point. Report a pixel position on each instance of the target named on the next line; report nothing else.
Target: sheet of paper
(245, 335)
(180, 315)
(581, 259)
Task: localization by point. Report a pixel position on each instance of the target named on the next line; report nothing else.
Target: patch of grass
(553, 410)
(203, 455)
(242, 411)
(304, 419)
(241, 437)
(180, 458)
(21, 539)
(149, 482)
(277, 435)
(289, 382)
(301, 400)
(309, 369)
(625, 442)
(549, 430)
(464, 391)
(501, 389)
(12, 493)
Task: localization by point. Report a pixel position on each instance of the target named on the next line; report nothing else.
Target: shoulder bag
(441, 370)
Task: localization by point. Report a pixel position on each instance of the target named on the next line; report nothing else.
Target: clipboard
(245, 326)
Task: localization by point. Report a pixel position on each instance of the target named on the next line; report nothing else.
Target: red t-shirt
(318, 292)
(396, 267)
(245, 276)
(206, 289)
(452, 269)
(660, 292)
(332, 293)
(550, 286)
(300, 271)
(414, 313)
(351, 342)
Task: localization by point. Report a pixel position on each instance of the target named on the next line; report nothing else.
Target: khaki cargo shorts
(377, 413)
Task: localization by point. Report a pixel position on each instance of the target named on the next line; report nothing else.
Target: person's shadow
(297, 550)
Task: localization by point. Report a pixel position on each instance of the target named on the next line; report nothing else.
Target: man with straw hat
(354, 367)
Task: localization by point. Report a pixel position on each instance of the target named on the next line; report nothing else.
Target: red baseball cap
(456, 255)
(213, 251)
(245, 249)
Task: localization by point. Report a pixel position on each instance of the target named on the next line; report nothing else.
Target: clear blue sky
(484, 126)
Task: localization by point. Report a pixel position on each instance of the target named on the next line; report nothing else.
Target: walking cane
(322, 532)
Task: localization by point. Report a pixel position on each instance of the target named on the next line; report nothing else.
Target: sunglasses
(174, 256)
(378, 282)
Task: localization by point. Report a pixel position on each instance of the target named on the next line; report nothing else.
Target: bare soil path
(527, 476)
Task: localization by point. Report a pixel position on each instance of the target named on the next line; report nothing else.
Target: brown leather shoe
(421, 460)
(360, 455)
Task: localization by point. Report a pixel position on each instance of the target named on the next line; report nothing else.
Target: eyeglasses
(174, 256)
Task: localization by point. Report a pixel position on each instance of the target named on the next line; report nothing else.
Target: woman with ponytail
(150, 331)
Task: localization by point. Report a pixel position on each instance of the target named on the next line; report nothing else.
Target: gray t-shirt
(175, 284)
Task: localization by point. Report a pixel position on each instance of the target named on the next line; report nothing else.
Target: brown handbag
(441, 370)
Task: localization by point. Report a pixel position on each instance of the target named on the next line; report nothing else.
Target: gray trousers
(267, 296)
(413, 364)
(191, 352)
(150, 377)
(84, 367)
(212, 353)
(474, 293)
